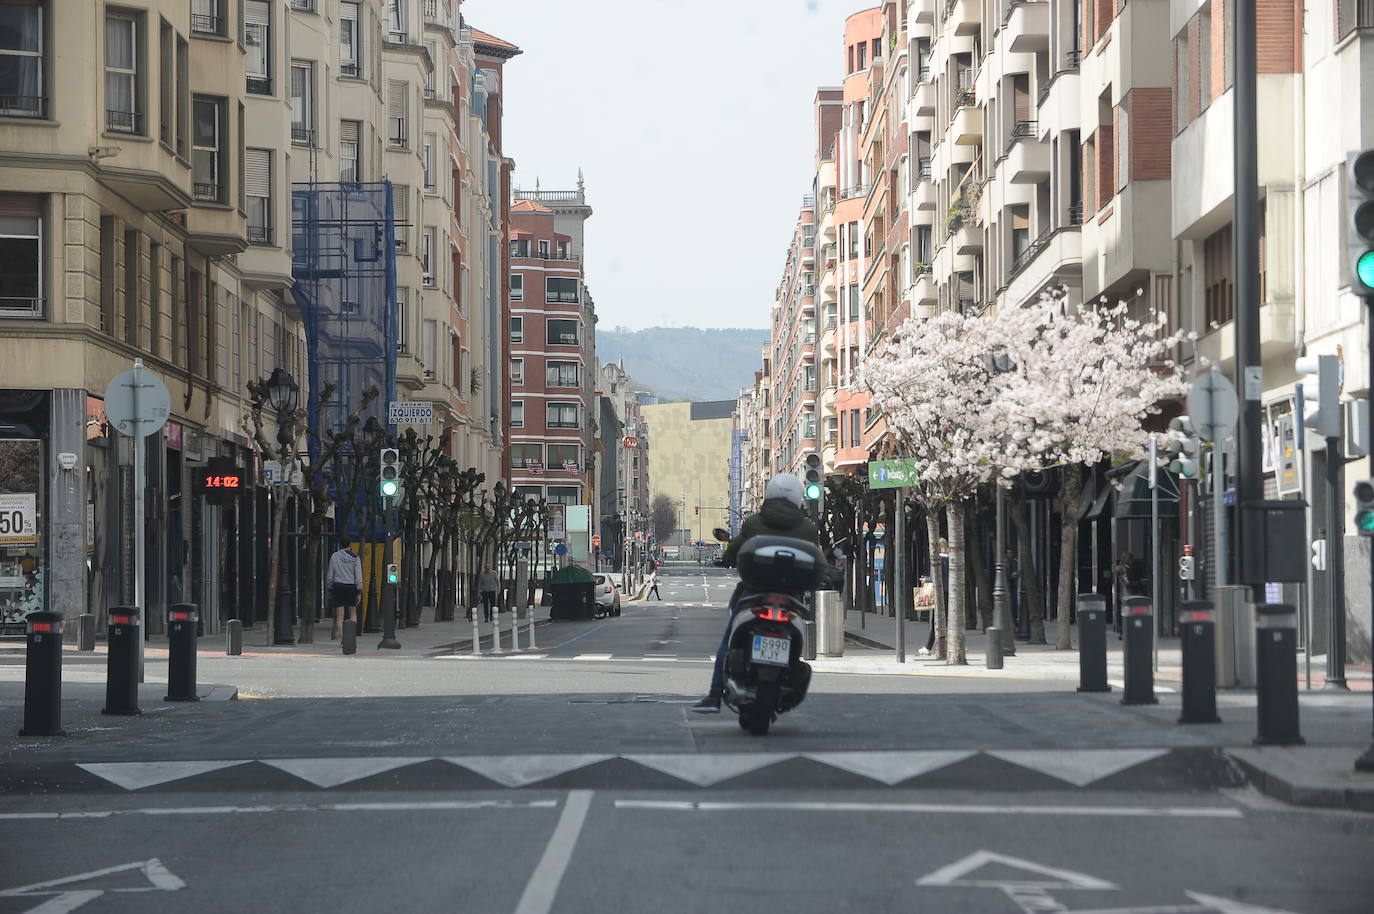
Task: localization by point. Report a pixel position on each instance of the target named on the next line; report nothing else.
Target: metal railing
(207, 24)
(1031, 251)
(123, 121)
(923, 167)
(23, 105)
(11, 306)
(260, 234)
(259, 85)
(1022, 130)
(965, 98)
(856, 190)
(304, 6)
(1072, 59)
(302, 135)
(1075, 214)
(206, 193)
(808, 200)
(349, 68)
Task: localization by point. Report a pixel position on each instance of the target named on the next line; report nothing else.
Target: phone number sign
(18, 519)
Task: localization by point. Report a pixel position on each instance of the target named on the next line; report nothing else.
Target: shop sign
(19, 519)
(174, 436)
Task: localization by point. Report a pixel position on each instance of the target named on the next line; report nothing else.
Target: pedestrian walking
(942, 546)
(344, 583)
(653, 587)
(487, 584)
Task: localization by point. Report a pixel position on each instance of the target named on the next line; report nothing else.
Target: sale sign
(19, 519)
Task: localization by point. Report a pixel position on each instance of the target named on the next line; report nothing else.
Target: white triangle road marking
(1227, 906)
(705, 769)
(331, 772)
(890, 767)
(137, 775)
(520, 770)
(1079, 767)
(954, 873)
(158, 876)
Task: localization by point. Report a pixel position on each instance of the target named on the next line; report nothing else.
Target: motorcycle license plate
(772, 651)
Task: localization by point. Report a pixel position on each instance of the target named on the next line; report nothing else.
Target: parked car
(607, 595)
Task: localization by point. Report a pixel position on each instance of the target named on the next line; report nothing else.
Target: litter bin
(1244, 643)
(574, 594)
(1228, 598)
(829, 623)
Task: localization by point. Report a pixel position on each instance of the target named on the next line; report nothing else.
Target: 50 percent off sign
(18, 519)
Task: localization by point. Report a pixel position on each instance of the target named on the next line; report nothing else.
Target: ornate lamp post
(282, 392)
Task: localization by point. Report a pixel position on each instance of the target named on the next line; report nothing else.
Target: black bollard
(182, 632)
(1138, 625)
(121, 672)
(349, 641)
(1092, 643)
(1199, 663)
(233, 638)
(43, 676)
(1276, 675)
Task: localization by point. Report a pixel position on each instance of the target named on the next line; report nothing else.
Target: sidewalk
(1320, 773)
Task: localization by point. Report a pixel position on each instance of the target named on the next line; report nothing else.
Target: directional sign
(137, 403)
(1212, 405)
(410, 412)
(893, 474)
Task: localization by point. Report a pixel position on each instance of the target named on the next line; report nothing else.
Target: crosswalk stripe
(137, 775)
(331, 772)
(1079, 767)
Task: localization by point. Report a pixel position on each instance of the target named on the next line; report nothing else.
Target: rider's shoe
(708, 705)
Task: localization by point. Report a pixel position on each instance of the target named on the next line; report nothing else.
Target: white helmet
(786, 486)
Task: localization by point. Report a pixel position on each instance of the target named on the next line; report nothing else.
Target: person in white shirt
(344, 581)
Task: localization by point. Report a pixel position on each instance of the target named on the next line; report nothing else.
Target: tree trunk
(1068, 536)
(954, 512)
(310, 602)
(1030, 572)
(982, 581)
(940, 611)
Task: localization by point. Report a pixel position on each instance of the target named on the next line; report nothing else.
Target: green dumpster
(574, 594)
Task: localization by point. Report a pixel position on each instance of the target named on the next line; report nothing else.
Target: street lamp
(282, 392)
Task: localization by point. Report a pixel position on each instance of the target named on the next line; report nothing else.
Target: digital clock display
(223, 482)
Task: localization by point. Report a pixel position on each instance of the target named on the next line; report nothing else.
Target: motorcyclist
(781, 515)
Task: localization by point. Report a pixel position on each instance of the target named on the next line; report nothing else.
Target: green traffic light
(392, 578)
(1364, 269)
(1365, 521)
(390, 487)
(813, 491)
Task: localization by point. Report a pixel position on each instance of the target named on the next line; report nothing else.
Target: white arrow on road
(61, 898)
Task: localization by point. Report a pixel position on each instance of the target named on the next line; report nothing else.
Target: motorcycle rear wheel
(758, 717)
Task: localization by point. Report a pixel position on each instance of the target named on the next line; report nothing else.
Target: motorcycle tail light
(773, 613)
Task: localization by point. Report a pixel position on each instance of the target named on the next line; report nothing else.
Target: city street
(573, 778)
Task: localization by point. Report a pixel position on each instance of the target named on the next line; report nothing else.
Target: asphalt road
(580, 782)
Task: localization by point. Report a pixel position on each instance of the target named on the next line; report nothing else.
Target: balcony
(205, 24)
(925, 11)
(967, 16)
(923, 293)
(434, 13)
(856, 190)
(1028, 24)
(925, 196)
(967, 239)
(207, 193)
(259, 85)
(123, 121)
(923, 100)
(259, 234)
(1055, 257)
(35, 106)
(1028, 157)
(966, 128)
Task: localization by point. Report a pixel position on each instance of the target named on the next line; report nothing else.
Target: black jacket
(778, 517)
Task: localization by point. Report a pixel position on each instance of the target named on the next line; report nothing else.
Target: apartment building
(794, 347)
(552, 364)
(623, 484)
(692, 464)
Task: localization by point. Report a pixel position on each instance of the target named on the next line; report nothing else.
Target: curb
(1294, 793)
(462, 646)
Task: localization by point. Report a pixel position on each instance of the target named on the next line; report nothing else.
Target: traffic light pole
(1366, 762)
(1335, 569)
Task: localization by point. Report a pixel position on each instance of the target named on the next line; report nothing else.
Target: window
(303, 102)
(517, 372)
(429, 348)
(517, 419)
(520, 247)
(396, 133)
(257, 39)
(21, 255)
(561, 332)
(561, 374)
(429, 76)
(853, 241)
(131, 277)
(543, 250)
(183, 95)
(402, 319)
(563, 495)
(517, 330)
(560, 289)
(107, 273)
(427, 255)
(21, 62)
(562, 250)
(207, 17)
(564, 456)
(350, 40)
(524, 455)
(396, 20)
(563, 415)
(863, 55)
(166, 83)
(304, 6)
(122, 113)
(1218, 278)
(400, 214)
(207, 150)
(257, 167)
(517, 287)
(427, 159)
(350, 151)
(854, 303)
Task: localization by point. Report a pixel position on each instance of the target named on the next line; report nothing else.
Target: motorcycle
(764, 672)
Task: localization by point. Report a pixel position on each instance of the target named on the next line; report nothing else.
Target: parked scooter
(764, 671)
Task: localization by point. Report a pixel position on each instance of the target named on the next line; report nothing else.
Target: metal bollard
(476, 633)
(1138, 626)
(1276, 667)
(121, 671)
(531, 618)
(1199, 663)
(514, 630)
(43, 676)
(85, 632)
(348, 643)
(809, 626)
(496, 633)
(994, 652)
(1092, 643)
(233, 637)
(183, 628)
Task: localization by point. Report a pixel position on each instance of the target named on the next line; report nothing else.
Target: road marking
(331, 772)
(584, 634)
(1119, 684)
(592, 657)
(705, 770)
(1184, 812)
(62, 900)
(519, 770)
(543, 885)
(1080, 767)
(434, 806)
(137, 775)
(954, 873)
(890, 767)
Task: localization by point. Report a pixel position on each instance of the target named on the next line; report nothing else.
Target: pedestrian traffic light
(1185, 568)
(811, 478)
(1323, 389)
(696, 509)
(1364, 507)
(389, 478)
(1360, 206)
(393, 574)
(1319, 554)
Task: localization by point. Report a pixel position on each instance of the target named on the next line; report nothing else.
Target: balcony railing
(923, 167)
(305, 6)
(434, 12)
(1075, 214)
(302, 135)
(1022, 130)
(123, 121)
(1072, 59)
(349, 68)
(23, 106)
(260, 85)
(808, 199)
(831, 322)
(260, 234)
(965, 98)
(206, 193)
(429, 92)
(856, 190)
(562, 423)
(1031, 251)
(207, 24)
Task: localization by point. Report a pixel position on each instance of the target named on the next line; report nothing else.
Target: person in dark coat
(781, 515)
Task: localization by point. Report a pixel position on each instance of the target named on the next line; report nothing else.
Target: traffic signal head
(1360, 203)
(393, 574)
(1185, 448)
(1324, 390)
(1364, 507)
(389, 478)
(1319, 554)
(811, 477)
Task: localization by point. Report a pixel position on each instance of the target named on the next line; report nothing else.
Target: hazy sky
(692, 122)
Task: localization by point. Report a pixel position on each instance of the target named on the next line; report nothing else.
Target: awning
(1134, 498)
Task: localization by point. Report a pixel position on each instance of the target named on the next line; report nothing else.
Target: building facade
(692, 464)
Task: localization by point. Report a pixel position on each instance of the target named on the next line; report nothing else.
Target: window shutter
(25, 206)
(258, 12)
(257, 172)
(396, 107)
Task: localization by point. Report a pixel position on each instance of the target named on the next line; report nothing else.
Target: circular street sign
(143, 414)
(560, 549)
(596, 541)
(629, 442)
(1212, 406)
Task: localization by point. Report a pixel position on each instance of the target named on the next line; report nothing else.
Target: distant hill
(686, 363)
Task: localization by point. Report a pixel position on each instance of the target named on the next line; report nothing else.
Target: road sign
(596, 542)
(19, 519)
(893, 474)
(1212, 405)
(560, 549)
(277, 475)
(137, 402)
(410, 412)
(629, 442)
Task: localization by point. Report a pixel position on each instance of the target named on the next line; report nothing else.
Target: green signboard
(892, 474)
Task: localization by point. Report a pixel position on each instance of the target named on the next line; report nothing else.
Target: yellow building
(691, 453)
